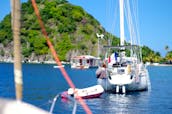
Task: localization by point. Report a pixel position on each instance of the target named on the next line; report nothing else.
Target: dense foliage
(150, 56)
(70, 28)
(5, 30)
(168, 57)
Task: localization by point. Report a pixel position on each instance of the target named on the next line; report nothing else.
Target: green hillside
(71, 29)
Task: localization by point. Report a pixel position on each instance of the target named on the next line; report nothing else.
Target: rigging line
(108, 9)
(114, 16)
(137, 26)
(134, 9)
(110, 16)
(111, 12)
(84, 105)
(130, 24)
(132, 12)
(135, 12)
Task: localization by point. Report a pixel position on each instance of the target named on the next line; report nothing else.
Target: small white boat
(58, 66)
(85, 93)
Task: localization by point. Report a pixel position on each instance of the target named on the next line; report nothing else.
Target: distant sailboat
(125, 73)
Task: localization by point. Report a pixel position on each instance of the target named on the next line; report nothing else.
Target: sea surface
(42, 83)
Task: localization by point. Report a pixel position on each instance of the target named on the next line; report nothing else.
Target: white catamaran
(125, 73)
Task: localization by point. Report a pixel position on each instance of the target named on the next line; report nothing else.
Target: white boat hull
(85, 93)
(75, 66)
(136, 84)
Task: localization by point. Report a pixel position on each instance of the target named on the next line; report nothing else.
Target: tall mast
(15, 14)
(121, 6)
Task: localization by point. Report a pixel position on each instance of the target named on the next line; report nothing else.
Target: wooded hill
(71, 29)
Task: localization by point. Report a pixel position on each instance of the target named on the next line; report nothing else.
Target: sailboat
(125, 73)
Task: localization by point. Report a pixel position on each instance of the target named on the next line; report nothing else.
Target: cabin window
(91, 61)
(87, 61)
(121, 71)
(80, 61)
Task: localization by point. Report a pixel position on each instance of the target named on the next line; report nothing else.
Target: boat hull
(85, 93)
(65, 95)
(139, 84)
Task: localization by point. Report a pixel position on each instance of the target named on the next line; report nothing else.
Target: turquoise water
(43, 82)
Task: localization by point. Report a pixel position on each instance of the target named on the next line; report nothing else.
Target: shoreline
(64, 62)
(36, 62)
(160, 65)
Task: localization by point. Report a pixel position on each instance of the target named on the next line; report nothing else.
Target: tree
(169, 56)
(69, 27)
(5, 30)
(63, 46)
(149, 55)
(167, 48)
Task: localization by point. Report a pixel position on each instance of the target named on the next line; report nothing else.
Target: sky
(155, 19)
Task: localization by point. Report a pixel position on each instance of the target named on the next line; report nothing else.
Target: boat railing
(70, 98)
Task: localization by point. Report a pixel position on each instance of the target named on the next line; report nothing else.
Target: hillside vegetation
(71, 29)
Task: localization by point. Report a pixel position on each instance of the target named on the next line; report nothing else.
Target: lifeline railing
(70, 98)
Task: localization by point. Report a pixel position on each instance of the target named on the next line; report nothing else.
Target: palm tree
(167, 48)
(169, 56)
